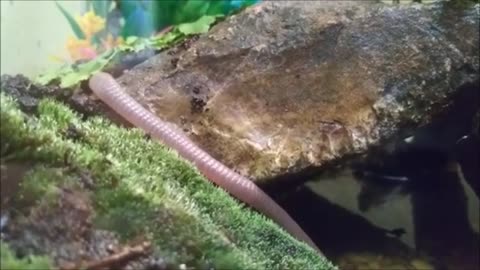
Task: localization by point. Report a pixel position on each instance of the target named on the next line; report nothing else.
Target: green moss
(39, 184)
(11, 262)
(144, 189)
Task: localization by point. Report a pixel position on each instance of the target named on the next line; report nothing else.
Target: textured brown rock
(287, 86)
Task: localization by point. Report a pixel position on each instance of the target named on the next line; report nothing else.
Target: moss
(143, 189)
(39, 183)
(11, 262)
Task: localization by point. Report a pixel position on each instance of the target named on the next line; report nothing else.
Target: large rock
(287, 86)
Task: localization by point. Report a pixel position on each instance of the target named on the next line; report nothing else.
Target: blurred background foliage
(107, 23)
(110, 28)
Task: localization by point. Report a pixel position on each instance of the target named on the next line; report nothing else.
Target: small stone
(110, 248)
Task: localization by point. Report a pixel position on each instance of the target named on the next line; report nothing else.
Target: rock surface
(287, 86)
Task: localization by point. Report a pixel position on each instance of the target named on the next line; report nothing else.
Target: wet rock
(284, 87)
(23, 90)
(28, 94)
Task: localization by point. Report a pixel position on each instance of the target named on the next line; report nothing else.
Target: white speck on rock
(448, 64)
(388, 103)
(359, 139)
(3, 221)
(409, 139)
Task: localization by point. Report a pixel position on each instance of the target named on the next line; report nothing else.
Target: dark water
(418, 228)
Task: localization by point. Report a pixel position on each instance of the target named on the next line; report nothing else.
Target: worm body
(110, 92)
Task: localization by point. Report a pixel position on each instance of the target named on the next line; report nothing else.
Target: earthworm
(105, 87)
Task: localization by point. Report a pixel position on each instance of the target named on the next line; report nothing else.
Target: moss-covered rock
(91, 185)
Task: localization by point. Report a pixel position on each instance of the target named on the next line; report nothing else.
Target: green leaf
(84, 71)
(192, 10)
(73, 24)
(45, 78)
(72, 79)
(131, 40)
(70, 76)
(134, 43)
(166, 40)
(200, 26)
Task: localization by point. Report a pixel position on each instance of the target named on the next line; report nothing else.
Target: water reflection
(434, 226)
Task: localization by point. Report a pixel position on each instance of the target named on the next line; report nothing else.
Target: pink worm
(110, 92)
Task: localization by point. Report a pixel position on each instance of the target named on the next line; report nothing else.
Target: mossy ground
(142, 189)
(8, 260)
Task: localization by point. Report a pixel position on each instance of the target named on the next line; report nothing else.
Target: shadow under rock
(442, 227)
(336, 230)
